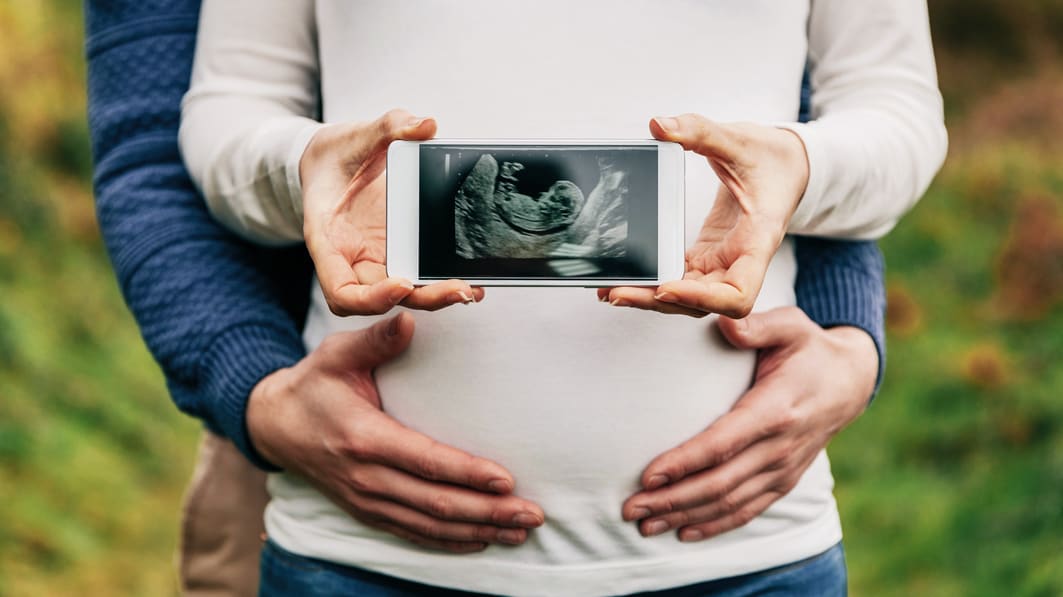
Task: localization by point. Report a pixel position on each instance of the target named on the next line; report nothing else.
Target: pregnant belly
(573, 397)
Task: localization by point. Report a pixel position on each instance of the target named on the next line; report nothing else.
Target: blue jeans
(285, 573)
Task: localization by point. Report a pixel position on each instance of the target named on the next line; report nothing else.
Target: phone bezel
(403, 211)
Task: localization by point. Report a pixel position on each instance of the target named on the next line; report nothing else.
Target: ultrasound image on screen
(538, 212)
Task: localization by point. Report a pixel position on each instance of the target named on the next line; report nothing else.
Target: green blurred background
(952, 484)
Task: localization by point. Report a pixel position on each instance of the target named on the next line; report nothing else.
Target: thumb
(778, 327)
(373, 138)
(700, 135)
(371, 347)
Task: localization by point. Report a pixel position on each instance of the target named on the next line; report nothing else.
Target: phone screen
(538, 212)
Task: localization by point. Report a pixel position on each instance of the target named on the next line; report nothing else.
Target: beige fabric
(221, 527)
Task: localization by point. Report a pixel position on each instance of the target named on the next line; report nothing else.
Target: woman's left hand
(755, 454)
(764, 172)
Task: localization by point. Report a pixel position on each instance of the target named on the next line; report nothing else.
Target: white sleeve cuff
(292, 180)
(808, 209)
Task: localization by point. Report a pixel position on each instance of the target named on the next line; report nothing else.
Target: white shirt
(573, 397)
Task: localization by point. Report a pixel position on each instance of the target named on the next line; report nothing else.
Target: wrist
(861, 353)
(263, 406)
(237, 361)
(796, 158)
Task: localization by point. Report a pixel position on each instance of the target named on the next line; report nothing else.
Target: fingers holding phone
(763, 173)
(342, 172)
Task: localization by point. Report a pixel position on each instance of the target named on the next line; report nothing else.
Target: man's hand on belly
(321, 419)
(810, 383)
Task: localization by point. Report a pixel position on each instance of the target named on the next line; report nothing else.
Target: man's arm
(217, 313)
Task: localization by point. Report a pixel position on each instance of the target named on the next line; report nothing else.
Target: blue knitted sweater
(219, 314)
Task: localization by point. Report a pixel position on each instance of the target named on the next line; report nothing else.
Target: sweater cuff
(852, 294)
(233, 365)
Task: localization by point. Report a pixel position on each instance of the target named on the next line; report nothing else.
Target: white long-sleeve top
(572, 396)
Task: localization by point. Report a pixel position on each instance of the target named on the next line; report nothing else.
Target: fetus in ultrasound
(524, 209)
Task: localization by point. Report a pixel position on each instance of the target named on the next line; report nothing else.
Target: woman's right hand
(344, 207)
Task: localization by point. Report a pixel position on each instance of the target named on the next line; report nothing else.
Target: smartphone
(536, 212)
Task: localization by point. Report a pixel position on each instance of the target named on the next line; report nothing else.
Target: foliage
(951, 484)
(93, 457)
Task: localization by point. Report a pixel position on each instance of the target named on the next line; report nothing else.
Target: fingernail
(604, 298)
(618, 303)
(393, 327)
(511, 537)
(527, 519)
(639, 513)
(463, 298)
(415, 122)
(667, 123)
(665, 297)
(499, 486)
(656, 527)
(741, 325)
(691, 535)
(656, 481)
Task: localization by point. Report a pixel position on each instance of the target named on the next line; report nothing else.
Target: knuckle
(393, 120)
(729, 503)
(779, 459)
(499, 516)
(715, 492)
(359, 482)
(787, 485)
(782, 420)
(680, 518)
(440, 506)
(484, 533)
(429, 530)
(667, 504)
(427, 466)
(357, 447)
(357, 509)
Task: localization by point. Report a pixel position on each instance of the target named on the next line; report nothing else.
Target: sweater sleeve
(841, 283)
(250, 112)
(217, 313)
(878, 134)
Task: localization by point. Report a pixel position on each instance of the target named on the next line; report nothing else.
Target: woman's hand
(764, 172)
(344, 210)
(755, 454)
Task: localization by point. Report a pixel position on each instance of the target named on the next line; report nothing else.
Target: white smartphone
(535, 212)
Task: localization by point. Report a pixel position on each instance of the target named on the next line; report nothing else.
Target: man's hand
(764, 172)
(810, 383)
(342, 174)
(321, 419)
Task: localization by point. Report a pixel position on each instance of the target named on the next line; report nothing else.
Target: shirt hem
(615, 577)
